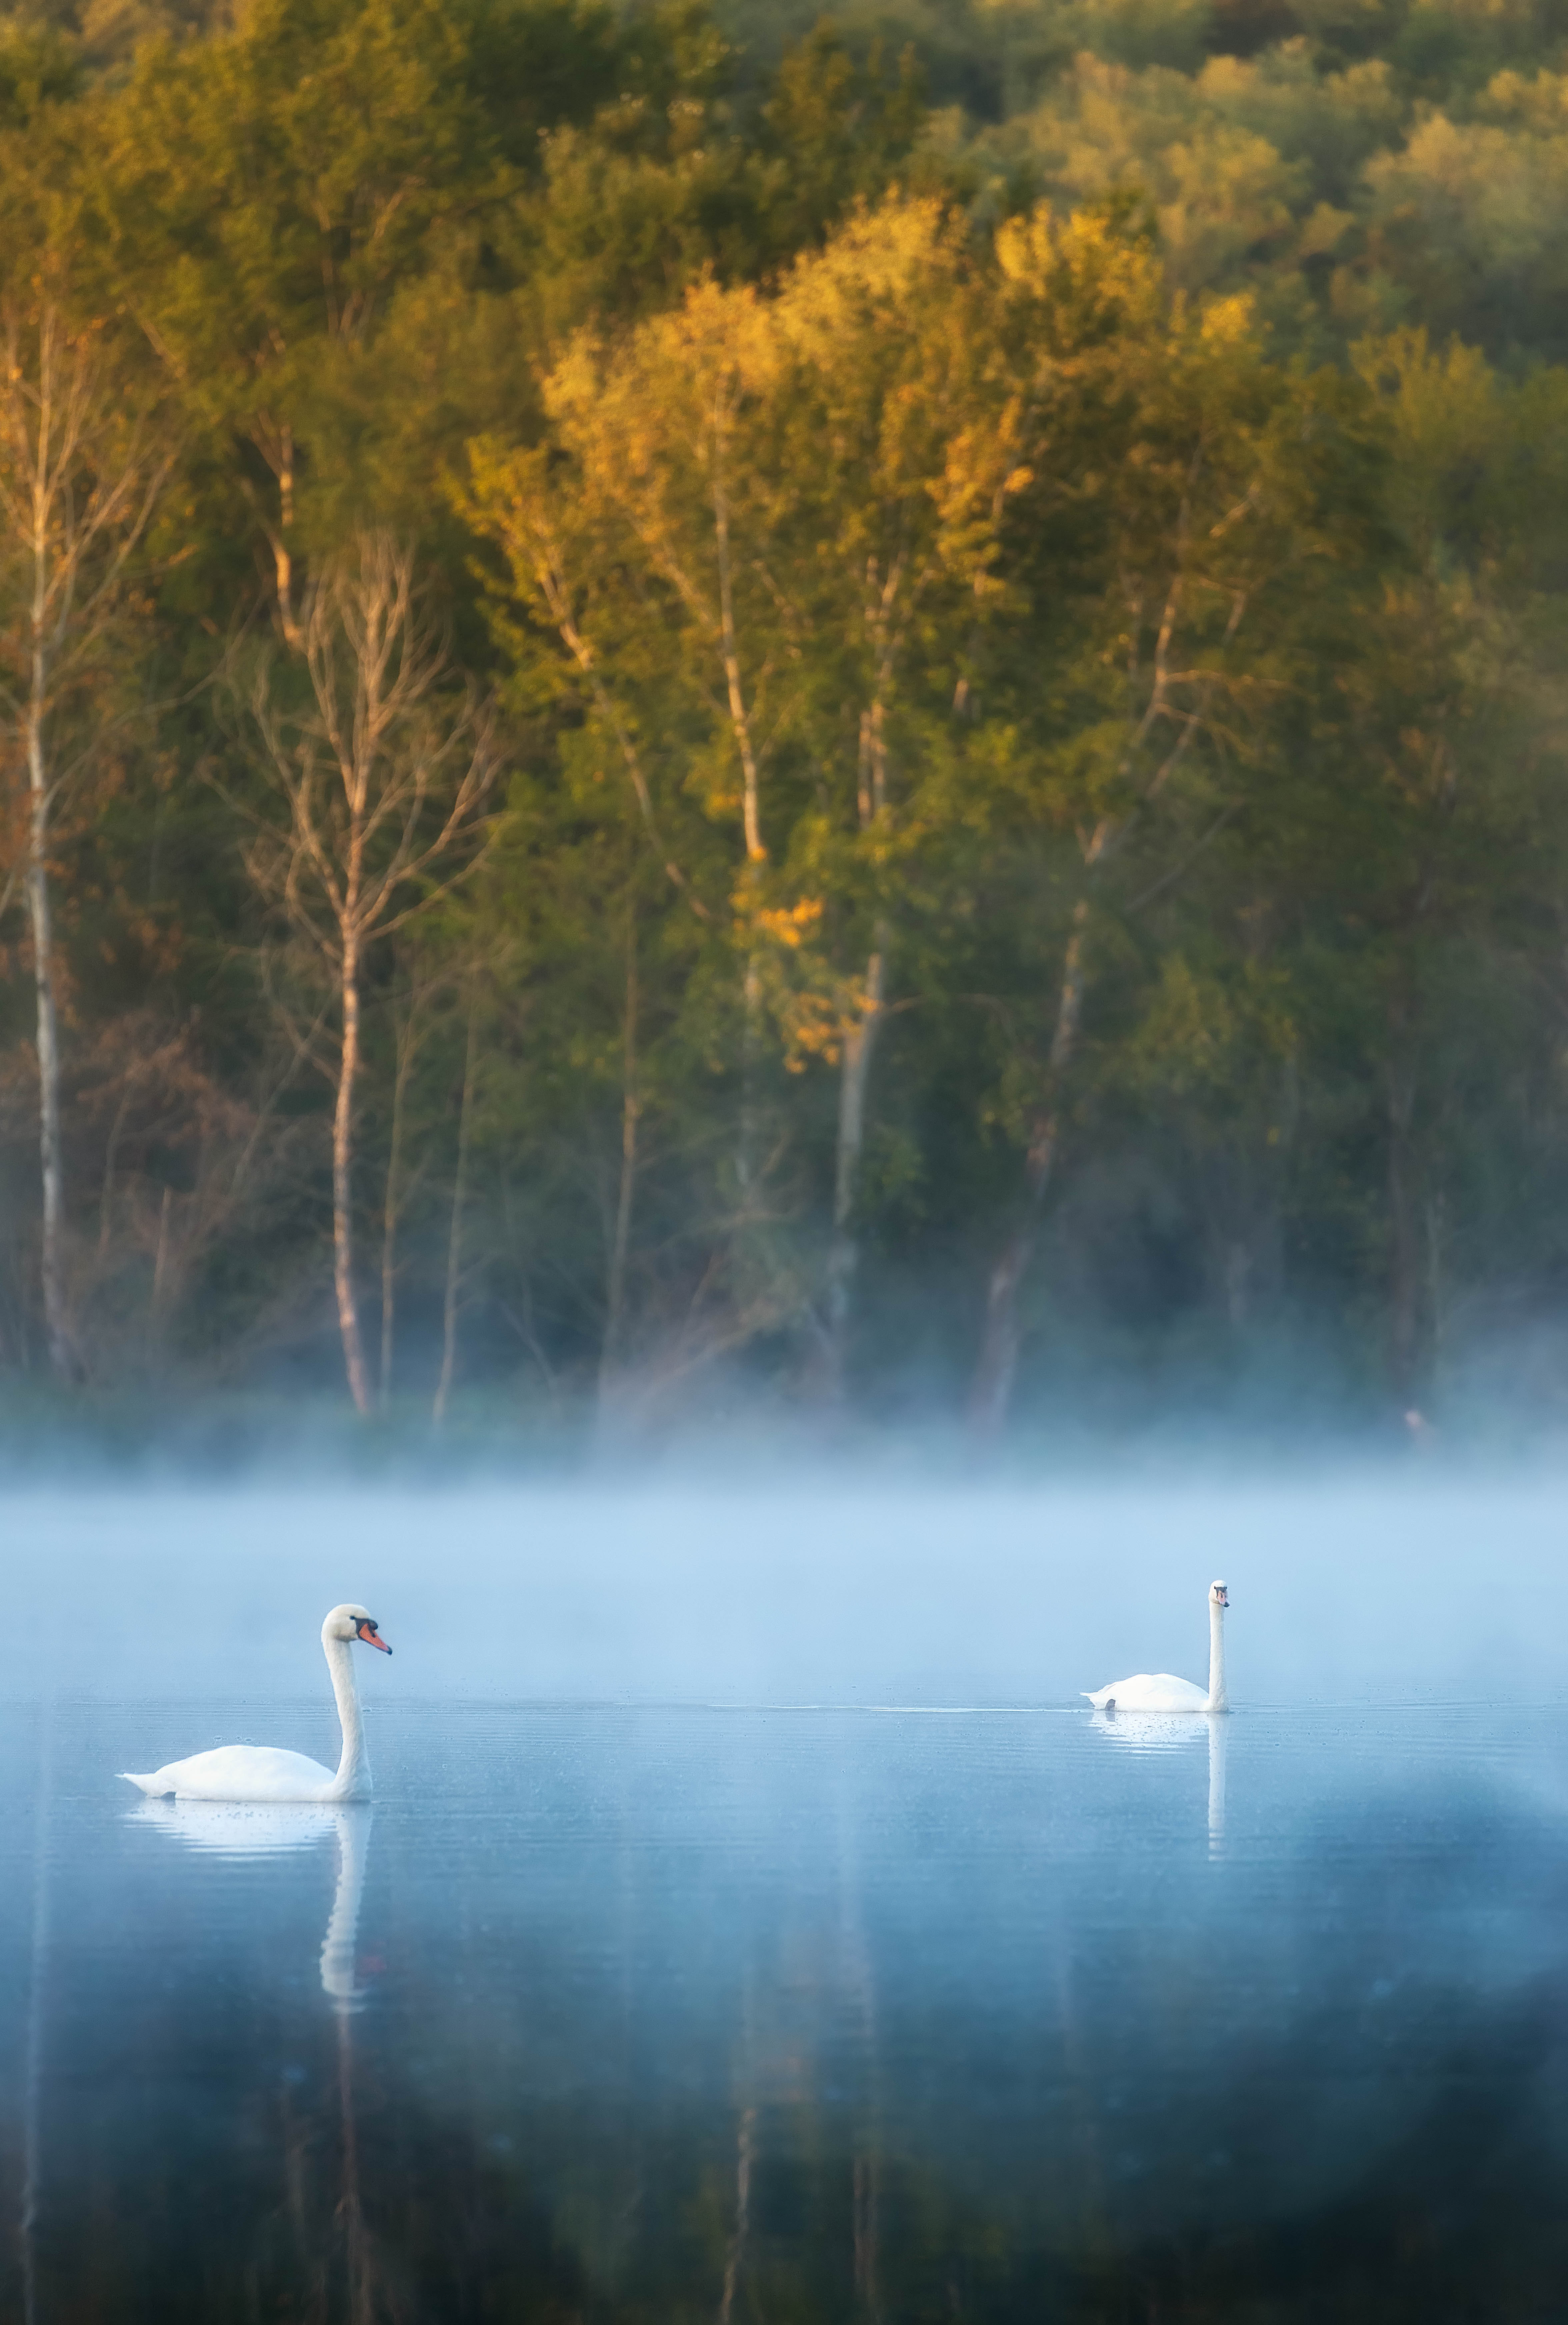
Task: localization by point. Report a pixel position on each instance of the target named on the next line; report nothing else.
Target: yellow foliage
(880, 258)
(811, 1028)
(1227, 323)
(1081, 257)
(788, 924)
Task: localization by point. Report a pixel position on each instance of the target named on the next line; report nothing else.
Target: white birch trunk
(630, 1114)
(854, 1073)
(994, 1374)
(370, 832)
(844, 1251)
(390, 1206)
(56, 1319)
(343, 1184)
(750, 819)
(454, 1239)
(78, 486)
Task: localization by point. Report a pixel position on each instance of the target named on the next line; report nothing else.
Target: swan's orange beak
(368, 1632)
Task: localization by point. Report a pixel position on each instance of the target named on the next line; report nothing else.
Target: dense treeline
(870, 708)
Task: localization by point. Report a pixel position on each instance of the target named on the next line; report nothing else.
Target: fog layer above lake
(1347, 1592)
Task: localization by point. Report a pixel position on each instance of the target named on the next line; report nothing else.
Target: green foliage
(1016, 552)
(39, 66)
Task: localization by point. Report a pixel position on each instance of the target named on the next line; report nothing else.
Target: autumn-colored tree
(791, 503)
(1028, 657)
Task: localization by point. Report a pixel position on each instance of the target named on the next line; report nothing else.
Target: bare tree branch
(384, 776)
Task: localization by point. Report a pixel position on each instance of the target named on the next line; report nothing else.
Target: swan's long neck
(1218, 1701)
(352, 1782)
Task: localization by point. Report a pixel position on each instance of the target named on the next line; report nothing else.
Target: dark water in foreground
(776, 2016)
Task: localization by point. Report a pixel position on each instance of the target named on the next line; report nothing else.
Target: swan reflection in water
(255, 1829)
(1169, 1731)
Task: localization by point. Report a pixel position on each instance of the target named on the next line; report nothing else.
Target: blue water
(649, 2015)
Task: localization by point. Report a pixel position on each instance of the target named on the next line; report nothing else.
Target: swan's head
(354, 1623)
(1218, 1594)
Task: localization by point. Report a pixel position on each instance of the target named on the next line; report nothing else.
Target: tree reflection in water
(880, 2031)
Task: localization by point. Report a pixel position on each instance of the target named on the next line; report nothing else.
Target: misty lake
(657, 2014)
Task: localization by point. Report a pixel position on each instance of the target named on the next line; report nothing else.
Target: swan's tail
(154, 1786)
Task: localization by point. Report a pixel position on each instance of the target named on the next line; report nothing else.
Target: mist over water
(1381, 1588)
(753, 1921)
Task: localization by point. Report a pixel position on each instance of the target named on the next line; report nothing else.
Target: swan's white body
(1158, 1691)
(261, 1771)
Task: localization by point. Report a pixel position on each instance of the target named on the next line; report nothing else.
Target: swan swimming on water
(259, 1772)
(1158, 1691)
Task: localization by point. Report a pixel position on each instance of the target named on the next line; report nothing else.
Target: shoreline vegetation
(720, 721)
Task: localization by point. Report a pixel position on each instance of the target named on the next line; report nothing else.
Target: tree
(899, 433)
(384, 772)
(81, 469)
(1187, 494)
(648, 538)
(765, 520)
(1414, 850)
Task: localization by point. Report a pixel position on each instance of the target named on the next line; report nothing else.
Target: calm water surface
(778, 2016)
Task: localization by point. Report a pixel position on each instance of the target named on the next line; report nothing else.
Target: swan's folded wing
(1120, 1691)
(1151, 1691)
(242, 1772)
(1160, 1691)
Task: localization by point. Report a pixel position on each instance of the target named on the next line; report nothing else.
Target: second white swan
(1158, 1691)
(259, 1772)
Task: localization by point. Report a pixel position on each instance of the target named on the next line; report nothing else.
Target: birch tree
(1205, 483)
(385, 773)
(81, 469)
(667, 429)
(766, 504)
(900, 432)
(651, 541)
(454, 1284)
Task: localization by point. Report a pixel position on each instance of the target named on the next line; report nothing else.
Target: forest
(709, 710)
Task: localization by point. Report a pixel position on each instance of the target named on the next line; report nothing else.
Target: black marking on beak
(368, 1631)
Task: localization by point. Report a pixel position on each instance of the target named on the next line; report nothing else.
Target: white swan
(259, 1772)
(1158, 1691)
